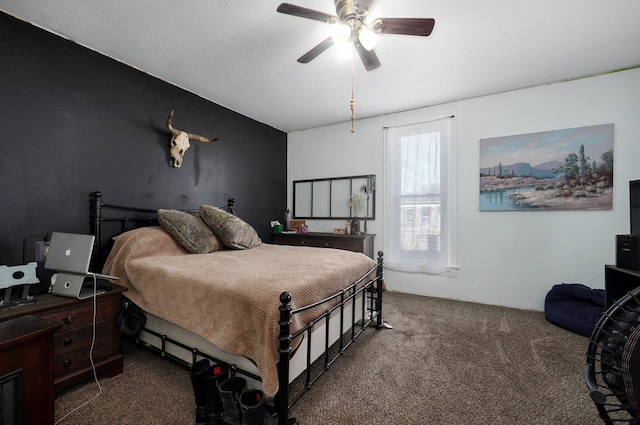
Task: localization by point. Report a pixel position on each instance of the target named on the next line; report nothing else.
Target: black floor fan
(612, 373)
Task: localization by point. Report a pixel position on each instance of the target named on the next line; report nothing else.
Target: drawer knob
(66, 363)
(68, 341)
(68, 319)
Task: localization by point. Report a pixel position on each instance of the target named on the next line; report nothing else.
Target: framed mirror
(333, 198)
(302, 198)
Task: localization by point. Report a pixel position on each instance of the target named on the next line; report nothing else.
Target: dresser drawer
(302, 241)
(71, 348)
(356, 243)
(349, 245)
(80, 316)
(80, 338)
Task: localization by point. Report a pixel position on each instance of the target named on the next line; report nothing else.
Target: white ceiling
(242, 54)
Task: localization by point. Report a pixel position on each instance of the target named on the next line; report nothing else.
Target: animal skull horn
(180, 142)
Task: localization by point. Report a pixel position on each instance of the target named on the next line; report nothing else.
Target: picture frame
(569, 169)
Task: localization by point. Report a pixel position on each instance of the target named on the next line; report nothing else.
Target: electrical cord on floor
(93, 366)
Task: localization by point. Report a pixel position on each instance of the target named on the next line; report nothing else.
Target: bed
(268, 311)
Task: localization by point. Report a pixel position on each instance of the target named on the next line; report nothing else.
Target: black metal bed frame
(370, 313)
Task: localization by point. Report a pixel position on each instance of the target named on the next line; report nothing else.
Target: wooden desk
(26, 370)
(72, 340)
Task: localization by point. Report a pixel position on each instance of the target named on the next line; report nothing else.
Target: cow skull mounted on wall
(180, 142)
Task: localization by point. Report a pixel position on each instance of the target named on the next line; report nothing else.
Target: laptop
(70, 254)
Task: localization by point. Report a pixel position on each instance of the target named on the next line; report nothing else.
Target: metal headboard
(140, 217)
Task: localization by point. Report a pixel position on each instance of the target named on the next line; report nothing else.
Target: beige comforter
(230, 297)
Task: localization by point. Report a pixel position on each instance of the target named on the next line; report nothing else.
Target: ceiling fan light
(368, 38)
(341, 33)
(345, 50)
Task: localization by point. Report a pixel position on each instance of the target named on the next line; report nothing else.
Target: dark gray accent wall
(73, 121)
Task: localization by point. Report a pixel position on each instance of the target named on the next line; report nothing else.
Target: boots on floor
(254, 410)
(230, 391)
(213, 377)
(197, 381)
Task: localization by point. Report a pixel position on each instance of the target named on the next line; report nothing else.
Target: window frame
(447, 221)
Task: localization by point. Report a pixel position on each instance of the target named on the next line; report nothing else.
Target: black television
(634, 206)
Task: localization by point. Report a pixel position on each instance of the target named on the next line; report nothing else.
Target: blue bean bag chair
(574, 307)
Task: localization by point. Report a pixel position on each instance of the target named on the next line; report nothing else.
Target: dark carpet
(445, 362)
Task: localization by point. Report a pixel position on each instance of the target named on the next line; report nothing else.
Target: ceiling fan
(353, 31)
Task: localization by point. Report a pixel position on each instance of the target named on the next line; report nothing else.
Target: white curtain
(416, 237)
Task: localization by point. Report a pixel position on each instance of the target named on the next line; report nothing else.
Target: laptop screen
(69, 252)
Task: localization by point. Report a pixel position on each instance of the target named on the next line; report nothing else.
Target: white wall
(505, 258)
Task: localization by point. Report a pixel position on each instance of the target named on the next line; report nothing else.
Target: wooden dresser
(72, 340)
(357, 243)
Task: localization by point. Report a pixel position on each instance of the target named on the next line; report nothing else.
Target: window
(410, 213)
(416, 216)
(425, 215)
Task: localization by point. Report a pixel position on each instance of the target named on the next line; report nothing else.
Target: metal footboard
(363, 315)
(371, 311)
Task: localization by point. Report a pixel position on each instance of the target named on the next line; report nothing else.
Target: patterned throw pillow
(189, 231)
(231, 230)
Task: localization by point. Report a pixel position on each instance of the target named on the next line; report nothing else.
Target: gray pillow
(231, 230)
(189, 231)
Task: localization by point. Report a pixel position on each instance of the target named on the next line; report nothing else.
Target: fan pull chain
(353, 102)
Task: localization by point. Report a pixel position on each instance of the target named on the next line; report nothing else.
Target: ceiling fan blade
(303, 12)
(404, 26)
(313, 53)
(369, 58)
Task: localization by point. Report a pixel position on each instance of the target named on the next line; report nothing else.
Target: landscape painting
(553, 170)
